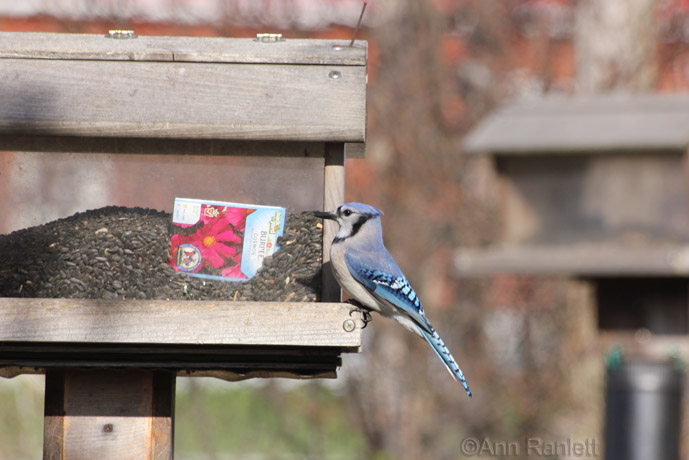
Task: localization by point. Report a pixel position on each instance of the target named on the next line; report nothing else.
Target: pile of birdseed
(122, 253)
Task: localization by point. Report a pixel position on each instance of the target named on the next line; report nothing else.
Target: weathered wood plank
(575, 259)
(235, 361)
(167, 322)
(53, 416)
(222, 374)
(181, 49)
(162, 146)
(183, 100)
(334, 182)
(109, 414)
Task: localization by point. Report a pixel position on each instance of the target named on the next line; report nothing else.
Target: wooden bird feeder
(287, 108)
(595, 187)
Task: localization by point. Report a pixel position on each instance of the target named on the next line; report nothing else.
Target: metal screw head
(108, 428)
(269, 38)
(121, 34)
(349, 325)
(335, 74)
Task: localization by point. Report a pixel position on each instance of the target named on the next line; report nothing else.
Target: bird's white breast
(347, 281)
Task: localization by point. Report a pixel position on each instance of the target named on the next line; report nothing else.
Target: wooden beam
(155, 146)
(29, 45)
(334, 196)
(181, 100)
(229, 362)
(585, 124)
(159, 146)
(576, 259)
(307, 324)
(108, 414)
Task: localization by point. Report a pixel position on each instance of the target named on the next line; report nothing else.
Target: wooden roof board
(180, 100)
(83, 85)
(29, 45)
(585, 124)
(579, 259)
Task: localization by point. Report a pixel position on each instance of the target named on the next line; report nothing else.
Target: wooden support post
(108, 414)
(333, 197)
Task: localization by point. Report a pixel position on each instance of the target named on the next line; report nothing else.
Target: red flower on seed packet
(236, 217)
(217, 241)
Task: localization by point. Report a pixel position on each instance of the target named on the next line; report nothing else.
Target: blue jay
(365, 269)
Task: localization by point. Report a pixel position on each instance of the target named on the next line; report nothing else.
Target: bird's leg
(359, 308)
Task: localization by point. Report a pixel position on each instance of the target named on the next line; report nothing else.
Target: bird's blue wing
(380, 275)
(388, 284)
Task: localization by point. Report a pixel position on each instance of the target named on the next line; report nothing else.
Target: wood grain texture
(109, 414)
(53, 416)
(182, 100)
(167, 322)
(29, 45)
(334, 183)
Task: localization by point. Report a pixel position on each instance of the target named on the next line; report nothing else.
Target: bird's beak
(325, 215)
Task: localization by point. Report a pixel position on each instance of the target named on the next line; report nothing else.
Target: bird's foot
(359, 308)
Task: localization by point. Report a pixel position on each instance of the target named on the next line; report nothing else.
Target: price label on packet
(186, 212)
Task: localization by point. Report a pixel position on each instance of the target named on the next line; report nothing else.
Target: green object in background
(613, 357)
(678, 361)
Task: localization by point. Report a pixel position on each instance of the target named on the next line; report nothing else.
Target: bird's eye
(347, 212)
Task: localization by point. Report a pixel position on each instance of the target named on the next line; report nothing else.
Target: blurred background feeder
(87, 122)
(595, 187)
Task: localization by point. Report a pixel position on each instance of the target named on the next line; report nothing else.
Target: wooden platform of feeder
(111, 365)
(231, 340)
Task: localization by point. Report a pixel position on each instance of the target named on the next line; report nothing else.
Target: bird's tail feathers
(446, 357)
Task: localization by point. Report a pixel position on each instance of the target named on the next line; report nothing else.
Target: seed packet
(219, 240)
